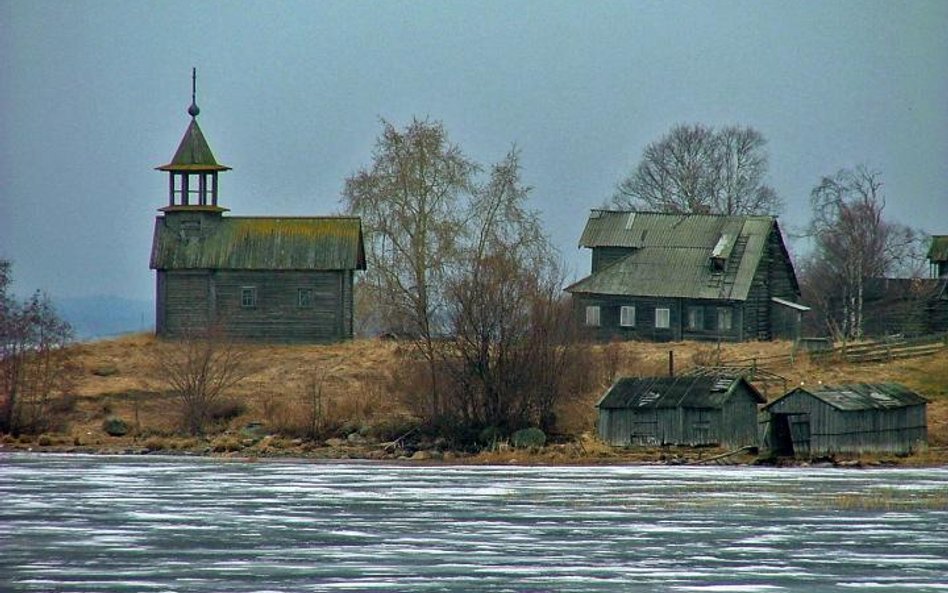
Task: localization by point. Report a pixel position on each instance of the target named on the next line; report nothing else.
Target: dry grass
(357, 381)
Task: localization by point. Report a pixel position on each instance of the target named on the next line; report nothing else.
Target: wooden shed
(680, 411)
(664, 276)
(850, 418)
(284, 279)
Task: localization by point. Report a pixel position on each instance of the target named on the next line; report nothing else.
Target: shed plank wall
(733, 425)
(898, 430)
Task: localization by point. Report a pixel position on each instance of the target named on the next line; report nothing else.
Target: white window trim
(667, 318)
(593, 316)
(695, 314)
(627, 316)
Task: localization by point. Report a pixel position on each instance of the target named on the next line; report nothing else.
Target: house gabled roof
(194, 153)
(671, 254)
(673, 392)
(257, 243)
(939, 248)
(859, 396)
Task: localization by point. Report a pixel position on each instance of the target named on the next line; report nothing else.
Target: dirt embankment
(362, 408)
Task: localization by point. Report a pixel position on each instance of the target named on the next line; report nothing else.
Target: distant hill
(104, 315)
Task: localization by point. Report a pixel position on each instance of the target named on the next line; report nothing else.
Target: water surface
(94, 524)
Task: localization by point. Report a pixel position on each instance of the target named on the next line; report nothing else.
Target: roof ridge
(685, 214)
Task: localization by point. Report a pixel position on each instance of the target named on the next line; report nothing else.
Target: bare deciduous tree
(509, 358)
(409, 201)
(35, 364)
(853, 242)
(695, 169)
(199, 368)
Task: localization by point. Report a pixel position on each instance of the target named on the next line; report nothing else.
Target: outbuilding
(680, 411)
(850, 418)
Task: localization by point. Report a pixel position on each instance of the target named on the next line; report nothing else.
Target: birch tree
(410, 199)
(695, 169)
(853, 242)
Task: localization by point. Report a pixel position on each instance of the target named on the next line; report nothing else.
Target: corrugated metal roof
(672, 392)
(193, 154)
(252, 243)
(860, 396)
(939, 249)
(672, 252)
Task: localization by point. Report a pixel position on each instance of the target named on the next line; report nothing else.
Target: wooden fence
(890, 349)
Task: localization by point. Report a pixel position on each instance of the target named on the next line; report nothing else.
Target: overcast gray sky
(93, 96)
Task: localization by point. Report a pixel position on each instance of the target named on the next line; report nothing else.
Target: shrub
(226, 409)
(226, 444)
(114, 426)
(528, 438)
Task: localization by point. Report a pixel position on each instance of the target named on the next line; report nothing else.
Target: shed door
(800, 433)
(644, 428)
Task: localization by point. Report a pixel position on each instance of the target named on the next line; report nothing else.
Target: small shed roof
(939, 249)
(673, 392)
(670, 254)
(860, 396)
(257, 243)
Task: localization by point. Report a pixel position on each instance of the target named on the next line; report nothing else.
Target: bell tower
(193, 171)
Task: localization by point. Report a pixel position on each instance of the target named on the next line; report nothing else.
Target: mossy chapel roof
(262, 243)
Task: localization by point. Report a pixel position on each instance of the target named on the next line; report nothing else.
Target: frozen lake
(109, 524)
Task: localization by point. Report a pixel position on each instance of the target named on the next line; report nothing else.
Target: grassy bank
(363, 408)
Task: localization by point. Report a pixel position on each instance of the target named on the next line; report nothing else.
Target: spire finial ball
(193, 109)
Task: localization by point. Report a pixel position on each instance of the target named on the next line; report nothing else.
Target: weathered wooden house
(680, 411)
(852, 418)
(666, 277)
(908, 306)
(938, 256)
(285, 279)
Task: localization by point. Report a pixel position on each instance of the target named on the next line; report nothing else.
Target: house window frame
(627, 316)
(662, 318)
(248, 297)
(593, 315)
(725, 314)
(695, 317)
(305, 297)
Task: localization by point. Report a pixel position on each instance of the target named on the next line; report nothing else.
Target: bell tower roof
(194, 153)
(192, 172)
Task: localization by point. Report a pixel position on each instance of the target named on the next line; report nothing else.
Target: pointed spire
(193, 110)
(194, 153)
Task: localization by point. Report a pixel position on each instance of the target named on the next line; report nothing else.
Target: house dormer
(721, 252)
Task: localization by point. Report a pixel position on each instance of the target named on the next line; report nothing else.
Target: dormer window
(720, 253)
